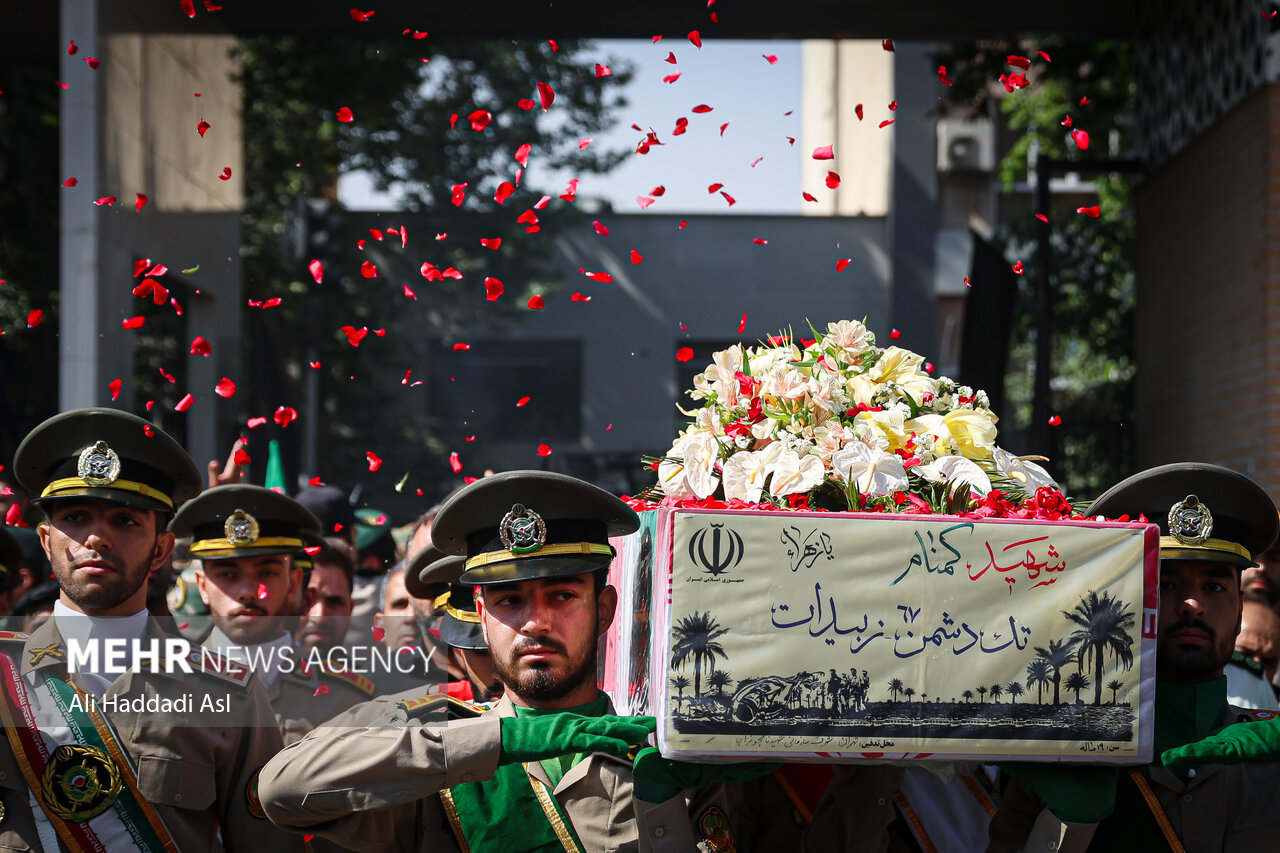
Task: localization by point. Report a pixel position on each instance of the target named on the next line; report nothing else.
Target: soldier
(325, 623)
(549, 765)
(1194, 796)
(245, 537)
(91, 760)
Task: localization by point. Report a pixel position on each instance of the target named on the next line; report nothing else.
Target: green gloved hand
(1239, 743)
(1076, 793)
(552, 735)
(658, 779)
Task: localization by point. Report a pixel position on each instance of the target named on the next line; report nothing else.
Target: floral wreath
(838, 424)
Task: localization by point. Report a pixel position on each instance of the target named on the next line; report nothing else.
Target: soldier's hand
(1075, 793)
(230, 473)
(1238, 743)
(553, 735)
(658, 779)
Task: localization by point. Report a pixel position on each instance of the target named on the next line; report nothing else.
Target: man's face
(1259, 636)
(1199, 619)
(326, 621)
(478, 665)
(396, 617)
(542, 637)
(248, 597)
(101, 553)
(1257, 584)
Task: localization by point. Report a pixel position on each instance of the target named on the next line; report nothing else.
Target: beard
(101, 592)
(536, 681)
(1187, 663)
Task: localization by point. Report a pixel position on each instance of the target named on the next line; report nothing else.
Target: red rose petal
(732, 201)
(895, 334)
(522, 154)
(742, 324)
(455, 463)
(1017, 267)
(241, 457)
(887, 45)
(833, 180)
(492, 288)
(200, 346)
(760, 240)
(823, 152)
(858, 111)
(202, 128)
(134, 322)
(345, 115)
(70, 182)
(545, 95)
(644, 201)
(887, 122)
(107, 200)
(600, 228)
(354, 335)
(72, 48)
(480, 119)
(1056, 420)
(114, 387)
(808, 197)
(504, 191)
(491, 242)
(374, 461)
(636, 257)
(942, 75)
(544, 450)
(316, 268)
(1042, 218)
(696, 39)
(322, 690)
(254, 423)
(285, 415)
(225, 388)
(525, 104)
(684, 354)
(843, 264)
(263, 592)
(522, 402)
(35, 318)
(671, 78)
(602, 277)
(461, 347)
(226, 174)
(140, 201)
(701, 108)
(603, 70)
(378, 633)
(1092, 212)
(578, 297)
(770, 58)
(1081, 139)
(184, 403)
(535, 302)
(1018, 62)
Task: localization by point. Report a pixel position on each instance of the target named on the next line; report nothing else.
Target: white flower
(1024, 471)
(954, 470)
(744, 474)
(694, 475)
(848, 334)
(870, 470)
(794, 474)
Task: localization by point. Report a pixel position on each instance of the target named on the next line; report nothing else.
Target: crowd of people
(334, 689)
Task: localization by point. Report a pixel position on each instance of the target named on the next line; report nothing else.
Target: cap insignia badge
(522, 530)
(1190, 521)
(98, 464)
(241, 528)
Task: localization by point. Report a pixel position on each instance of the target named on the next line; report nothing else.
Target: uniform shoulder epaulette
(1246, 662)
(437, 704)
(212, 663)
(355, 679)
(1253, 715)
(14, 636)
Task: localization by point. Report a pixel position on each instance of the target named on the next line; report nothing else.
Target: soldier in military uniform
(91, 759)
(1200, 794)
(245, 537)
(549, 767)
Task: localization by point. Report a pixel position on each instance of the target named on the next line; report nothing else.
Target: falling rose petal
(158, 269)
(70, 182)
(284, 416)
(723, 127)
(602, 277)
(824, 152)
(713, 188)
(887, 122)
(226, 174)
(554, 47)
(770, 58)
(491, 242)
(1043, 55)
(504, 191)
(1066, 121)
(887, 45)
(1092, 212)
(1017, 267)
(480, 119)
(545, 95)
(1042, 218)
(354, 335)
(542, 202)
(225, 388)
(316, 268)
(833, 180)
(200, 346)
(684, 354)
(114, 387)
(742, 324)
(408, 292)
(756, 162)
(345, 115)
(167, 375)
(368, 269)
(525, 104)
(584, 142)
(658, 191)
(522, 402)
(671, 78)
(202, 128)
(843, 264)
(808, 197)
(535, 302)
(1055, 420)
(701, 108)
(1084, 102)
(893, 105)
(760, 240)
(644, 201)
(578, 297)
(928, 367)
(107, 200)
(378, 633)
(603, 70)
(1018, 62)
(140, 202)
(492, 288)
(895, 334)
(263, 592)
(600, 228)
(1081, 138)
(374, 461)
(184, 403)
(72, 48)
(732, 201)
(522, 154)
(966, 282)
(361, 17)
(461, 347)
(942, 75)
(791, 140)
(544, 450)
(670, 59)
(636, 257)
(322, 690)
(241, 457)
(134, 322)
(858, 111)
(35, 318)
(695, 38)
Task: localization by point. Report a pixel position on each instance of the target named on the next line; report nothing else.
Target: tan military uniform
(303, 700)
(418, 705)
(1232, 808)
(198, 770)
(375, 789)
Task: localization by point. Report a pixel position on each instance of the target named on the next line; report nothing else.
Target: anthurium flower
(689, 470)
(792, 473)
(955, 470)
(869, 470)
(744, 474)
(1023, 470)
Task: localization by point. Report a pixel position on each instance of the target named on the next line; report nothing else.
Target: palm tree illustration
(1055, 657)
(968, 695)
(719, 681)
(909, 692)
(982, 695)
(895, 687)
(1103, 625)
(1114, 686)
(995, 691)
(1015, 690)
(695, 639)
(681, 684)
(1038, 677)
(1077, 681)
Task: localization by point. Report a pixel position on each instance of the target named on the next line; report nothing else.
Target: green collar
(1188, 712)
